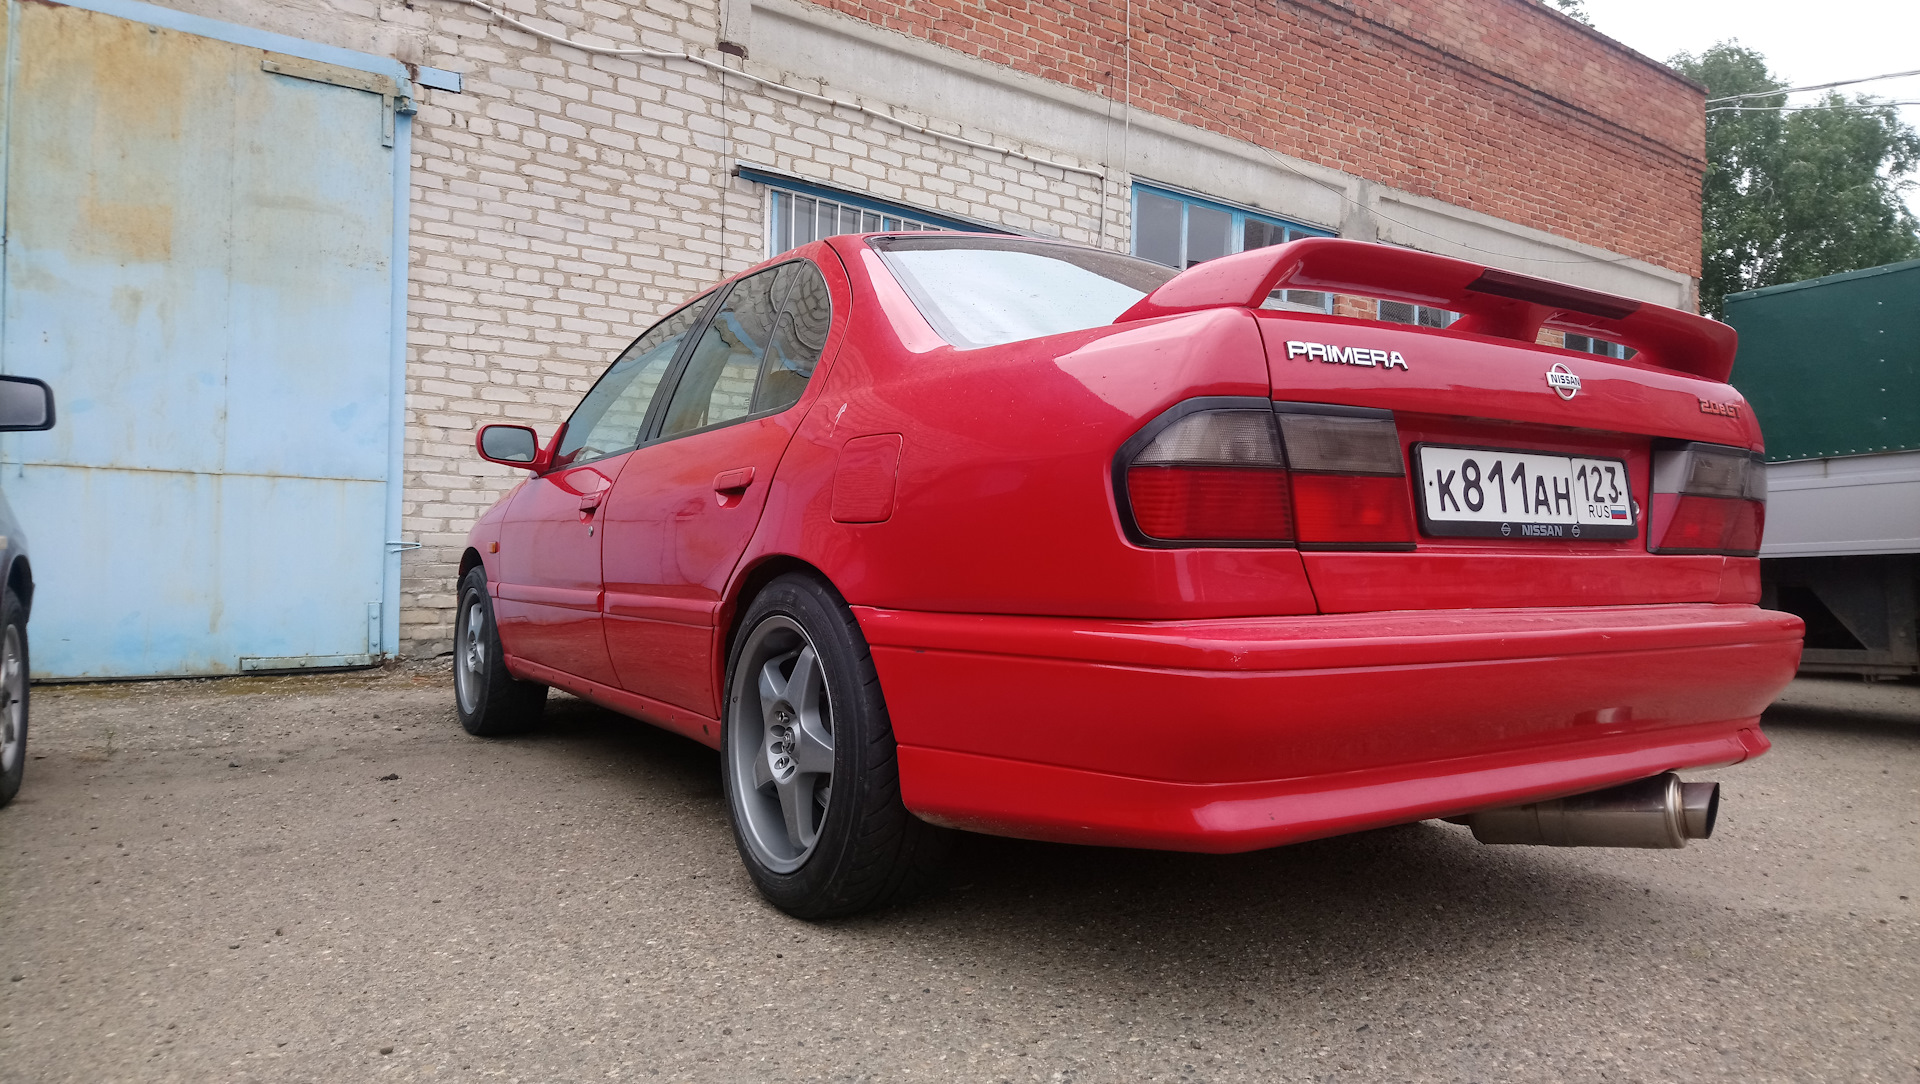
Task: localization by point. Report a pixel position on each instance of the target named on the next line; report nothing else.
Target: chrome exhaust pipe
(1657, 812)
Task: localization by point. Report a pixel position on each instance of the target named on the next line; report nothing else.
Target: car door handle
(591, 501)
(733, 481)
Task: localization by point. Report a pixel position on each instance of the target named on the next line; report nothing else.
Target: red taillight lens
(1349, 479)
(1351, 508)
(1707, 499)
(1212, 476)
(1240, 475)
(1711, 525)
(1210, 503)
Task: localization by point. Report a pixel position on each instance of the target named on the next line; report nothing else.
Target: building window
(1399, 312)
(1180, 230)
(799, 212)
(1585, 345)
(798, 219)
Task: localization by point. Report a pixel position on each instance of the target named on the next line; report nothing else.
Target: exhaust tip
(1699, 808)
(1660, 811)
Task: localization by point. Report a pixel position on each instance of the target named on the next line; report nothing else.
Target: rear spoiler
(1490, 301)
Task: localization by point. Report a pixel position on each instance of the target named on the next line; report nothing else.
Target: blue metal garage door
(201, 259)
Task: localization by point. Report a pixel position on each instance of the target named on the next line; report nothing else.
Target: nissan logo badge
(1563, 381)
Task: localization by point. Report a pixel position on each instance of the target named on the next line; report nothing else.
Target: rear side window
(757, 353)
(806, 313)
(983, 291)
(608, 421)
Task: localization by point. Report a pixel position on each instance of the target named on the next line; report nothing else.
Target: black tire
(491, 702)
(867, 851)
(14, 692)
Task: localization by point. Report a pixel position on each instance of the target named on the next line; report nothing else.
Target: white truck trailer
(1831, 367)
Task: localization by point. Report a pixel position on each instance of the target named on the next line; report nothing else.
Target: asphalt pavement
(324, 879)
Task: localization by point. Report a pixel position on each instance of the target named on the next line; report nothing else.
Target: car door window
(806, 313)
(608, 421)
(757, 353)
(718, 382)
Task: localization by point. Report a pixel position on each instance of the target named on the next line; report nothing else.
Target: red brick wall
(1500, 106)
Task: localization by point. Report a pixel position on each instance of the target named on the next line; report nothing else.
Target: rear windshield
(980, 290)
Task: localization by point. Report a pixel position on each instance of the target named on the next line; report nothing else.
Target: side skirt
(680, 721)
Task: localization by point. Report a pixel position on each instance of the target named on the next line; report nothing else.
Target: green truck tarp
(1832, 365)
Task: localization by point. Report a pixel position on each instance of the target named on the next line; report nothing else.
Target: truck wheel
(492, 703)
(13, 696)
(809, 768)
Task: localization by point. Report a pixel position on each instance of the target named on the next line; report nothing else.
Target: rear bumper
(1243, 733)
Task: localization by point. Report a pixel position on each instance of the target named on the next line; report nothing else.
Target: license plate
(1500, 493)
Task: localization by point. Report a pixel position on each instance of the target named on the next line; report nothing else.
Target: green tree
(1794, 194)
(1574, 8)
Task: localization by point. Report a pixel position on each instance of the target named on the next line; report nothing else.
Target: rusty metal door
(202, 259)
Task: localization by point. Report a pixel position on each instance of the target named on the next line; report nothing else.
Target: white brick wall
(564, 201)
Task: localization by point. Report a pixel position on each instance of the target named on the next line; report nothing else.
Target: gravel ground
(323, 879)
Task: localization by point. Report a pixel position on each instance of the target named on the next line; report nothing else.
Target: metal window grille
(1399, 312)
(798, 219)
(1587, 345)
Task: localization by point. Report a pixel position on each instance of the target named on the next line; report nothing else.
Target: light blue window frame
(1239, 218)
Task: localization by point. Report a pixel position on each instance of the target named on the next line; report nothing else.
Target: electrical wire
(1816, 105)
(1340, 191)
(1821, 86)
(666, 54)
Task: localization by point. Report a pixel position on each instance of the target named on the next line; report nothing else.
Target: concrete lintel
(1436, 226)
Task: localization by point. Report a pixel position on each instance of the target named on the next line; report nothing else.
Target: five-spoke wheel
(787, 778)
(491, 702)
(811, 778)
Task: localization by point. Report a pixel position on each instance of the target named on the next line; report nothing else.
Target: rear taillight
(1349, 480)
(1212, 476)
(1707, 499)
(1210, 473)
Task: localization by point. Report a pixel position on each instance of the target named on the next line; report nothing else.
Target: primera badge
(1346, 355)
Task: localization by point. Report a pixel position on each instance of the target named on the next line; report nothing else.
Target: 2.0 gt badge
(1346, 355)
(1564, 381)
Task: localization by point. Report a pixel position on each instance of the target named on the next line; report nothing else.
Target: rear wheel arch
(20, 582)
(746, 587)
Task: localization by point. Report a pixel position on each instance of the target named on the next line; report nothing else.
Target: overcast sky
(1804, 42)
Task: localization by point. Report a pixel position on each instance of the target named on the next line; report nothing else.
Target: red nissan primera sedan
(930, 531)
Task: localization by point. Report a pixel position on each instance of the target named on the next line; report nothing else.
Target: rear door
(548, 598)
(688, 501)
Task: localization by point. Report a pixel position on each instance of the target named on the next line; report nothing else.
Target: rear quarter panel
(1004, 499)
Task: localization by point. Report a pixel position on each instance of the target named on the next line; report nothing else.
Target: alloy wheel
(13, 704)
(470, 653)
(780, 744)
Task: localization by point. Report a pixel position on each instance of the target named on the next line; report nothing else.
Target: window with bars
(1180, 230)
(799, 218)
(1399, 312)
(1587, 345)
